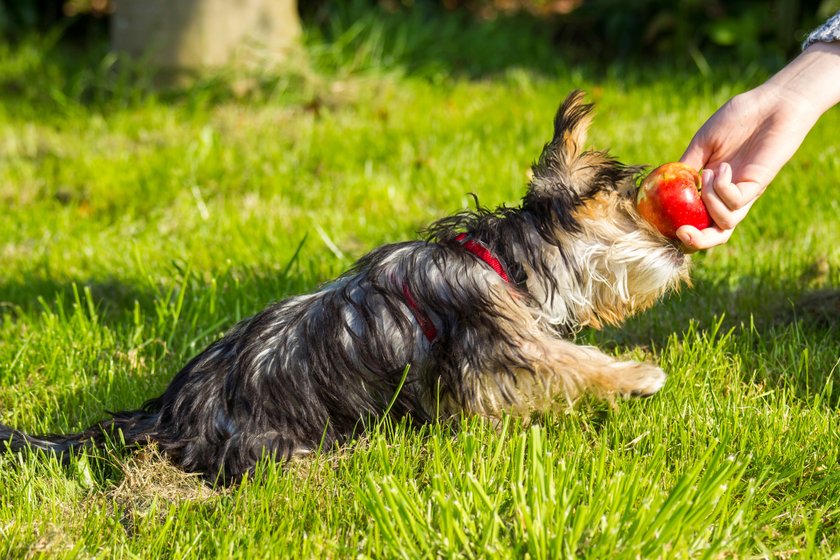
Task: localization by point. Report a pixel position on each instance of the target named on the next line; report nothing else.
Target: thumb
(695, 155)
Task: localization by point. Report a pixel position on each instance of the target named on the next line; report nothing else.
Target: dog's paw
(638, 379)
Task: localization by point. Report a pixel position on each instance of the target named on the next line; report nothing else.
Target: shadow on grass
(114, 302)
(782, 333)
(752, 304)
(112, 298)
(145, 332)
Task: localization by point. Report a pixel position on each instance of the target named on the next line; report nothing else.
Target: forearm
(811, 79)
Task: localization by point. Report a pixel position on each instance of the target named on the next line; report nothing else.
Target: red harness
(478, 249)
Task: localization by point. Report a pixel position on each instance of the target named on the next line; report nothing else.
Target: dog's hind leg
(242, 452)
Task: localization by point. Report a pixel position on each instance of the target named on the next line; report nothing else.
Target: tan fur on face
(624, 266)
(627, 267)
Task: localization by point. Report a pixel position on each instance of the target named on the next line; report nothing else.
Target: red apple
(670, 197)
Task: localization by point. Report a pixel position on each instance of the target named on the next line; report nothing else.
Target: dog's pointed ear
(561, 161)
(571, 123)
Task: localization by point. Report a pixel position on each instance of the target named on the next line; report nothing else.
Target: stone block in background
(186, 36)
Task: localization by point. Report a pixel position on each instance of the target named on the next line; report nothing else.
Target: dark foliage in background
(77, 19)
(764, 31)
(485, 35)
(746, 29)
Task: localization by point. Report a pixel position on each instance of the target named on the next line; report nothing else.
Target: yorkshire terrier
(476, 319)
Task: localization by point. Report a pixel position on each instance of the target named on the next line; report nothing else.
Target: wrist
(811, 82)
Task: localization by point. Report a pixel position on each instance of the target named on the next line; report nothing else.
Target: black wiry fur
(308, 370)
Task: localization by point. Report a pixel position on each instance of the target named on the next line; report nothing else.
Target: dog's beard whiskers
(618, 270)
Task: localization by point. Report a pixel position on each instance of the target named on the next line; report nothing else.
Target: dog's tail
(123, 427)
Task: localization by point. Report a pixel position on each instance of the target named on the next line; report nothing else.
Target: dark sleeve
(826, 33)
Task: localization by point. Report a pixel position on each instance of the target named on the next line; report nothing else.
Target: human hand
(741, 149)
(747, 141)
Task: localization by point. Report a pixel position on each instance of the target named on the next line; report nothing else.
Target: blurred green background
(606, 30)
(140, 223)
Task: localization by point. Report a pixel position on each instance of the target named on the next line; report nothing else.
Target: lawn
(138, 226)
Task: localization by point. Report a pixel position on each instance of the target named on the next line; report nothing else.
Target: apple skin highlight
(669, 197)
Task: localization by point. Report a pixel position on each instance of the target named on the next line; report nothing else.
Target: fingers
(707, 177)
(694, 239)
(734, 195)
(727, 203)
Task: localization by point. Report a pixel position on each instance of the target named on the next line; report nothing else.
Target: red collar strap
(481, 251)
(426, 324)
(475, 247)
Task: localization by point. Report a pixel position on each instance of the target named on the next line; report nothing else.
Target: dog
(476, 319)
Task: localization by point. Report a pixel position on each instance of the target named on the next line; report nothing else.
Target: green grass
(137, 227)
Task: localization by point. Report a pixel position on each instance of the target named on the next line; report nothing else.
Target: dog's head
(611, 263)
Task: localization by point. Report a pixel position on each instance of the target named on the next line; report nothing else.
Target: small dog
(476, 320)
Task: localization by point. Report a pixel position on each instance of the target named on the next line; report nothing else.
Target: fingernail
(707, 176)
